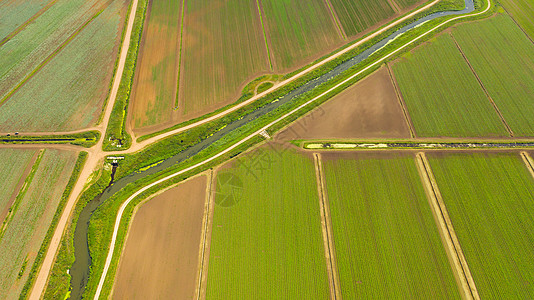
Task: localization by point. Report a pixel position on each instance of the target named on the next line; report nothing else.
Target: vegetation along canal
(81, 267)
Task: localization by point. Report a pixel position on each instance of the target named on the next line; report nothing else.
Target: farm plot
(223, 48)
(387, 243)
(156, 79)
(15, 163)
(489, 200)
(298, 31)
(442, 95)
(503, 58)
(69, 91)
(31, 217)
(160, 258)
(14, 13)
(266, 237)
(358, 15)
(523, 13)
(369, 109)
(24, 52)
(407, 3)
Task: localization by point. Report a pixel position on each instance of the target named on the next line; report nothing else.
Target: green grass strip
(336, 20)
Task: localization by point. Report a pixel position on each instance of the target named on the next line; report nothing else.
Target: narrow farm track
(326, 226)
(204, 250)
(30, 20)
(497, 110)
(96, 154)
(454, 251)
(529, 162)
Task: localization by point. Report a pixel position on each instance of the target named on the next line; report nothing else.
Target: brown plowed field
(154, 89)
(160, 259)
(369, 109)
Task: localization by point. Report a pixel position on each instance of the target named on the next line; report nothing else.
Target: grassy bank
(85, 139)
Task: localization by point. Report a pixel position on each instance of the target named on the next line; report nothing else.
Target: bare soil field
(156, 79)
(161, 255)
(369, 109)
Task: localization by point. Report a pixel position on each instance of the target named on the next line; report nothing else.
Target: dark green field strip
(358, 15)
(503, 58)
(523, 13)
(387, 243)
(442, 95)
(489, 198)
(266, 241)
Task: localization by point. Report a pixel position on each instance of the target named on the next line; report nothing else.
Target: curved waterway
(81, 266)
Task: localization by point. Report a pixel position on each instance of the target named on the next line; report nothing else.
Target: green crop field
(223, 48)
(489, 200)
(14, 13)
(523, 13)
(443, 96)
(503, 58)
(69, 91)
(154, 90)
(387, 243)
(23, 53)
(298, 30)
(33, 212)
(14, 162)
(358, 15)
(266, 241)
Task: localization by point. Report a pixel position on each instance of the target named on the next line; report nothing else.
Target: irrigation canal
(81, 267)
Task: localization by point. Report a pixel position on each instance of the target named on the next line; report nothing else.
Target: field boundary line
(326, 226)
(248, 137)
(260, 13)
(444, 224)
(50, 57)
(336, 20)
(22, 192)
(529, 162)
(402, 103)
(510, 132)
(205, 239)
(517, 24)
(27, 22)
(176, 100)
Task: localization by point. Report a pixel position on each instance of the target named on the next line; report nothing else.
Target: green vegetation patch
(503, 58)
(85, 139)
(358, 15)
(489, 200)
(266, 238)
(442, 95)
(387, 243)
